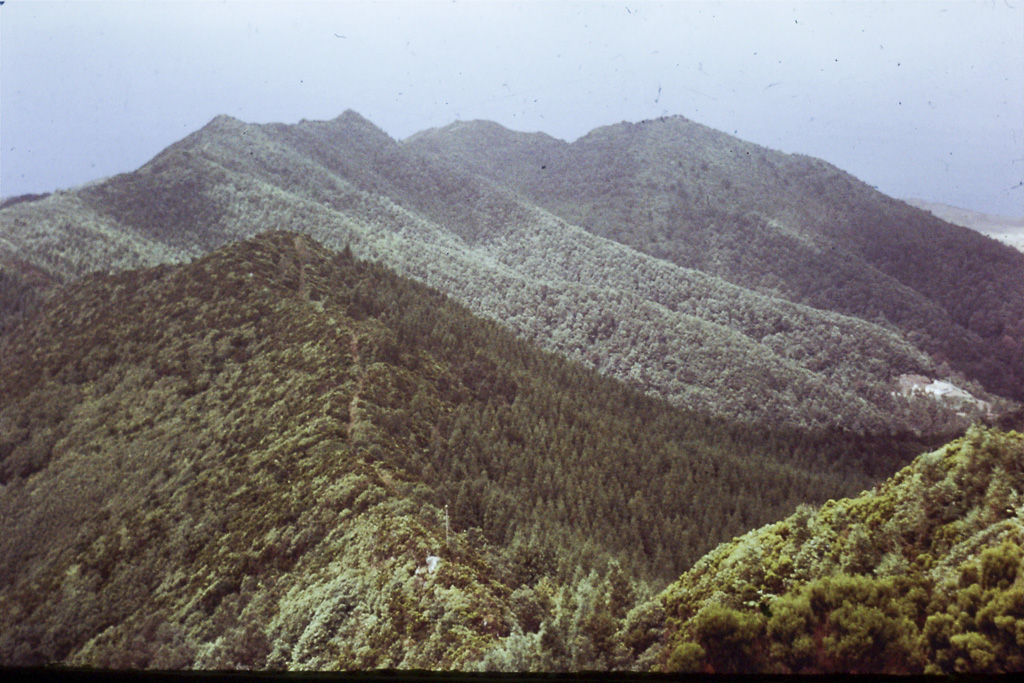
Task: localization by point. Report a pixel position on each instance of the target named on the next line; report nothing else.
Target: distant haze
(1005, 229)
(921, 99)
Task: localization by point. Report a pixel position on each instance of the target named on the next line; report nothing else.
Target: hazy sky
(921, 99)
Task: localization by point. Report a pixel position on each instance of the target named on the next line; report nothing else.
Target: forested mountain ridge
(247, 460)
(773, 222)
(921, 574)
(691, 338)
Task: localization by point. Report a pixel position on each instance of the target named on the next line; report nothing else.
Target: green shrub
(789, 631)
(1000, 566)
(791, 616)
(527, 609)
(1001, 620)
(644, 626)
(687, 657)
(972, 653)
(729, 636)
(864, 638)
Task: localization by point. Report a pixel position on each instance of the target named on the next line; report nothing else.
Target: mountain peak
(223, 122)
(351, 117)
(482, 131)
(350, 124)
(662, 130)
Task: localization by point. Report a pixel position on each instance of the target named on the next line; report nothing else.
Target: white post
(446, 530)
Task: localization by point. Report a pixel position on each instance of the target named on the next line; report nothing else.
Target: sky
(918, 98)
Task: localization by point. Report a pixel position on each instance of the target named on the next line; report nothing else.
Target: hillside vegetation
(921, 574)
(784, 224)
(306, 397)
(703, 343)
(247, 460)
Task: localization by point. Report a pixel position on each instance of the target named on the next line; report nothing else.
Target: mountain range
(785, 295)
(307, 397)
(274, 416)
(782, 224)
(283, 457)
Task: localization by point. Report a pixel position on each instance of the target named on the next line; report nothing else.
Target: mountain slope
(921, 574)
(1006, 229)
(688, 337)
(773, 222)
(245, 461)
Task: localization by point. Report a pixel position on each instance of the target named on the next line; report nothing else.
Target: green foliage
(244, 462)
(791, 631)
(687, 657)
(935, 588)
(270, 403)
(643, 627)
(23, 290)
(680, 334)
(864, 638)
(1001, 565)
(767, 221)
(730, 637)
(860, 555)
(972, 652)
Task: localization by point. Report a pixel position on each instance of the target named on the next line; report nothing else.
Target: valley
(306, 397)
(203, 444)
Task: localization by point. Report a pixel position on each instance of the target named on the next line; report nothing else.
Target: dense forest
(307, 397)
(207, 429)
(278, 456)
(690, 337)
(786, 224)
(921, 574)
